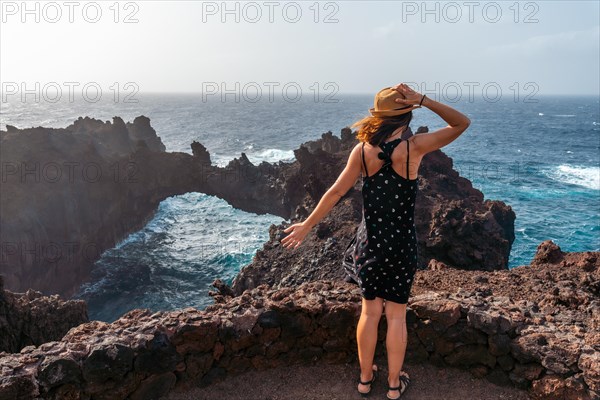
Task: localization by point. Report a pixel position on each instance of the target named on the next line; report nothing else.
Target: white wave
(268, 155)
(540, 113)
(564, 115)
(272, 156)
(588, 177)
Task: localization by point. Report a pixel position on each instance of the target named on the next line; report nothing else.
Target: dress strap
(363, 159)
(407, 156)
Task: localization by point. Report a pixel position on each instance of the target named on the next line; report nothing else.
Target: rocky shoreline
(86, 187)
(535, 327)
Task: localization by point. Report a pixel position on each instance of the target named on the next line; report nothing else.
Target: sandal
(404, 382)
(369, 383)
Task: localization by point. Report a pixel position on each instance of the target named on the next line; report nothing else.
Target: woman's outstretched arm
(344, 182)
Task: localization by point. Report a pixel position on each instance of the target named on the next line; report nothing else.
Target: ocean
(542, 158)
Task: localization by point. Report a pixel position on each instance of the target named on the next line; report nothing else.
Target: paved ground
(336, 381)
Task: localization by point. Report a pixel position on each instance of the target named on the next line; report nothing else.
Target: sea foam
(588, 177)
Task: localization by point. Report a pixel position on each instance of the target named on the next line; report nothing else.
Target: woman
(384, 252)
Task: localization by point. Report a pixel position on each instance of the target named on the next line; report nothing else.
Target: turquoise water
(542, 159)
(171, 262)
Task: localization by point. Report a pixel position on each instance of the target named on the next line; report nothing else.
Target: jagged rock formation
(453, 222)
(543, 340)
(67, 195)
(82, 189)
(32, 319)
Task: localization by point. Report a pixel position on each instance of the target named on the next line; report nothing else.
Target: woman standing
(382, 259)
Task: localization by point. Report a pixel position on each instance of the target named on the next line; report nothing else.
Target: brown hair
(375, 130)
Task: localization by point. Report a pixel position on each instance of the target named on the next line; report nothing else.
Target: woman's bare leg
(366, 337)
(395, 342)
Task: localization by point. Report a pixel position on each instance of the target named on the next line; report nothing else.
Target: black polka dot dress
(382, 258)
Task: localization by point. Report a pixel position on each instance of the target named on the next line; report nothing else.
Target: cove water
(541, 158)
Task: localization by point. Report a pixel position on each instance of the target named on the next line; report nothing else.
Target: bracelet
(422, 98)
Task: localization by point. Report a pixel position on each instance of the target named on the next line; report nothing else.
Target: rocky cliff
(453, 222)
(535, 327)
(32, 319)
(69, 194)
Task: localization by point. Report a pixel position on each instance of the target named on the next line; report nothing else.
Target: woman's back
(400, 155)
(383, 259)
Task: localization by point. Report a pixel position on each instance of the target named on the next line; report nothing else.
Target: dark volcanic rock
(454, 224)
(555, 347)
(82, 189)
(535, 326)
(554, 353)
(69, 194)
(32, 319)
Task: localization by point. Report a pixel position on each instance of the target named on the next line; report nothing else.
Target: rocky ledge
(535, 327)
(32, 319)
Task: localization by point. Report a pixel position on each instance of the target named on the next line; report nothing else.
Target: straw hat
(386, 106)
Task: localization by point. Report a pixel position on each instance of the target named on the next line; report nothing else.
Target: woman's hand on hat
(297, 235)
(411, 97)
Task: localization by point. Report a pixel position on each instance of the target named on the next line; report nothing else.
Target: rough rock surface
(543, 340)
(32, 319)
(453, 222)
(82, 189)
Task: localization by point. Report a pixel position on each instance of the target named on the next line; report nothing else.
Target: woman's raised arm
(428, 142)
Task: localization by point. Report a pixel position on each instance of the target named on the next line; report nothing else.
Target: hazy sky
(183, 46)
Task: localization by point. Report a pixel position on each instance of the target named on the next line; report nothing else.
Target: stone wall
(507, 342)
(143, 355)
